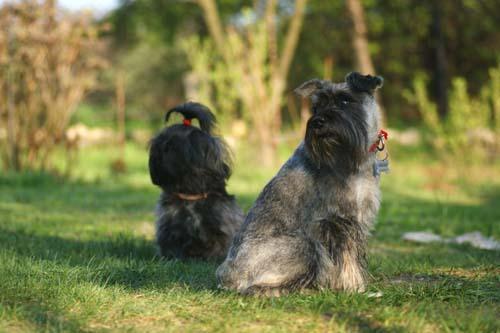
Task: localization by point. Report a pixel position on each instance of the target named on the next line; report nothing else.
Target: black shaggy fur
(187, 161)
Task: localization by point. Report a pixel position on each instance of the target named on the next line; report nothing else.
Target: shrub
(48, 62)
(468, 126)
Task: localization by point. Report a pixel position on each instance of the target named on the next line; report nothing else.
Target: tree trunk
(14, 159)
(267, 151)
(119, 165)
(360, 41)
(360, 45)
(440, 77)
(260, 94)
(14, 151)
(328, 67)
(120, 110)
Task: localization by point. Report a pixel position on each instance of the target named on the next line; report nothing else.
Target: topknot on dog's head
(364, 83)
(192, 110)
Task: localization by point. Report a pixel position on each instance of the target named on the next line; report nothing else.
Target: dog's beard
(342, 146)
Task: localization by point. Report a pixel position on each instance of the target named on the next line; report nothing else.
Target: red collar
(379, 144)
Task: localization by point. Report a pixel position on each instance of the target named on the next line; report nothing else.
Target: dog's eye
(343, 100)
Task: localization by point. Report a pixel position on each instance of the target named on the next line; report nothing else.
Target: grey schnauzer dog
(197, 218)
(309, 225)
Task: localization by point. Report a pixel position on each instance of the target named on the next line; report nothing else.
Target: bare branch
(258, 70)
(360, 44)
(292, 38)
(360, 41)
(48, 62)
(212, 18)
(270, 19)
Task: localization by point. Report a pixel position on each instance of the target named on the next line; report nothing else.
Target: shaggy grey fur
(308, 227)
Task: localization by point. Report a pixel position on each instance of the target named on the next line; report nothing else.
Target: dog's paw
(265, 291)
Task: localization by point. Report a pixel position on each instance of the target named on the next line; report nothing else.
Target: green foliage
(428, 109)
(399, 33)
(210, 81)
(493, 92)
(151, 85)
(460, 117)
(151, 45)
(401, 45)
(221, 85)
(466, 114)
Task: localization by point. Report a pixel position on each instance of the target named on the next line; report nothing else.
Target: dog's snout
(318, 123)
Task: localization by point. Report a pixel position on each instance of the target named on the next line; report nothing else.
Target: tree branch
(292, 38)
(270, 19)
(213, 21)
(360, 41)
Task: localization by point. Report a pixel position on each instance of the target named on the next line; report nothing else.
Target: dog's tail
(192, 110)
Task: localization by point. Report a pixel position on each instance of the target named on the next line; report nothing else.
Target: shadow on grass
(126, 262)
(399, 214)
(360, 323)
(123, 260)
(129, 261)
(47, 193)
(47, 319)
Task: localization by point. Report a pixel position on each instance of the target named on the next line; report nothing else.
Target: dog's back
(196, 216)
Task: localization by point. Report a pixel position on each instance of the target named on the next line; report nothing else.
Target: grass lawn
(78, 255)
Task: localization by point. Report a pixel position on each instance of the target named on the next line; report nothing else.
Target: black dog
(196, 216)
(309, 225)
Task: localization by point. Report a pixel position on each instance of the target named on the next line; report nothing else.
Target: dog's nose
(318, 123)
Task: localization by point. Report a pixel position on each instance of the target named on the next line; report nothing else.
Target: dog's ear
(364, 83)
(192, 110)
(155, 165)
(218, 157)
(308, 88)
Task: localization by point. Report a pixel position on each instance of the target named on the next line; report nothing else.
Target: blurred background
(83, 73)
(84, 85)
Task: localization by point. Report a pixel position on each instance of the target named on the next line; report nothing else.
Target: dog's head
(345, 120)
(187, 159)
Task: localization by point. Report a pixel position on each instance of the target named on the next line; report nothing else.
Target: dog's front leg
(344, 241)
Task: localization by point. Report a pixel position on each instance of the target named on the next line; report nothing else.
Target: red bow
(186, 122)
